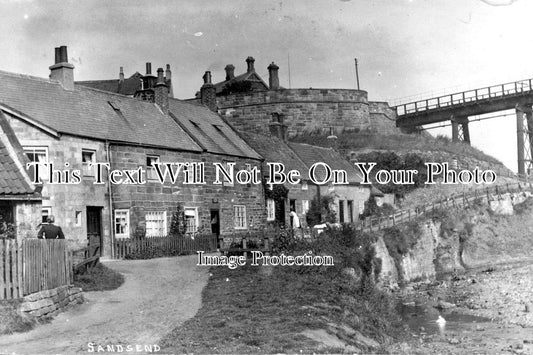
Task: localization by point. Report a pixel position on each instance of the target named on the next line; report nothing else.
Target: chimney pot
(207, 77)
(230, 71)
(332, 141)
(208, 93)
(250, 63)
(62, 70)
(161, 91)
(168, 78)
(273, 78)
(277, 127)
(121, 74)
(160, 76)
(57, 55)
(148, 68)
(63, 57)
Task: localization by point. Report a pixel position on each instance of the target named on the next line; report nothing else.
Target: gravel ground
(157, 296)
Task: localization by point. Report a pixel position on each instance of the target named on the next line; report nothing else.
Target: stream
(423, 319)
(483, 312)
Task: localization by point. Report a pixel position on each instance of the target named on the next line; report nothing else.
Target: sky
(405, 48)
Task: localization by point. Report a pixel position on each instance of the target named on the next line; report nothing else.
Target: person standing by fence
(50, 230)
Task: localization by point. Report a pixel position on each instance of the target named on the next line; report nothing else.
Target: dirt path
(157, 296)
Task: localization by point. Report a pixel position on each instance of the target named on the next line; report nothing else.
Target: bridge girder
(524, 138)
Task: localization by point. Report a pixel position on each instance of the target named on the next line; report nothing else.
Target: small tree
(7, 230)
(178, 226)
(372, 209)
(321, 211)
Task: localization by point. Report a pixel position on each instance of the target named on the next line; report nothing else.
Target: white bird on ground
(441, 321)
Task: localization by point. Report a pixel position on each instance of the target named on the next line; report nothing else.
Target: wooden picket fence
(169, 245)
(32, 266)
(457, 201)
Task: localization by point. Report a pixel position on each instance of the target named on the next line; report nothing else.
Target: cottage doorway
(94, 230)
(280, 212)
(215, 225)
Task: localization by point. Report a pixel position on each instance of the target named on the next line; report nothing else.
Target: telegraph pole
(356, 73)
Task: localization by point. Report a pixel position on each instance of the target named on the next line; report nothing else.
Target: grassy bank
(99, 278)
(368, 141)
(11, 320)
(248, 311)
(258, 309)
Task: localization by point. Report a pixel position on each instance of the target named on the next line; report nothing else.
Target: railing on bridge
(470, 96)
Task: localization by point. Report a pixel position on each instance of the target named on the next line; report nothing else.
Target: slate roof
(248, 76)
(13, 181)
(128, 87)
(209, 130)
(274, 150)
(311, 154)
(92, 113)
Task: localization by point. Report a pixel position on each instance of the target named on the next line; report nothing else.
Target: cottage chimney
(121, 74)
(250, 63)
(161, 91)
(62, 70)
(332, 139)
(277, 127)
(230, 71)
(149, 80)
(273, 79)
(208, 93)
(168, 80)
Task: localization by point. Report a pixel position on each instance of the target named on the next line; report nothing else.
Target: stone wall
(48, 303)
(154, 196)
(67, 202)
(307, 110)
(487, 235)
(382, 118)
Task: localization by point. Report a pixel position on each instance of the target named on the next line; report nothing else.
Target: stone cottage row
(74, 126)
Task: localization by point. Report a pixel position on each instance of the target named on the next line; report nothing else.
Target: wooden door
(94, 230)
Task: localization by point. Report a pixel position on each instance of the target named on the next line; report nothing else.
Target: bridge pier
(524, 138)
(460, 132)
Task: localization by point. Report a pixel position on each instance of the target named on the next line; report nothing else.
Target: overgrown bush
(7, 230)
(99, 278)
(389, 161)
(350, 248)
(372, 209)
(321, 211)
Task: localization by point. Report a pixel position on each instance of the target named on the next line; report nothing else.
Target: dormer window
(151, 174)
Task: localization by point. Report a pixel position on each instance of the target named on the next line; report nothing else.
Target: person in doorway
(295, 221)
(50, 230)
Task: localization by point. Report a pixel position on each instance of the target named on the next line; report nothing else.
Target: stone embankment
(48, 303)
(455, 240)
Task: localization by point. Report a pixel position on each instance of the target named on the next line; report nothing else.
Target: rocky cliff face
(479, 236)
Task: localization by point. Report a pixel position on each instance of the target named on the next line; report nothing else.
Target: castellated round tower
(308, 110)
